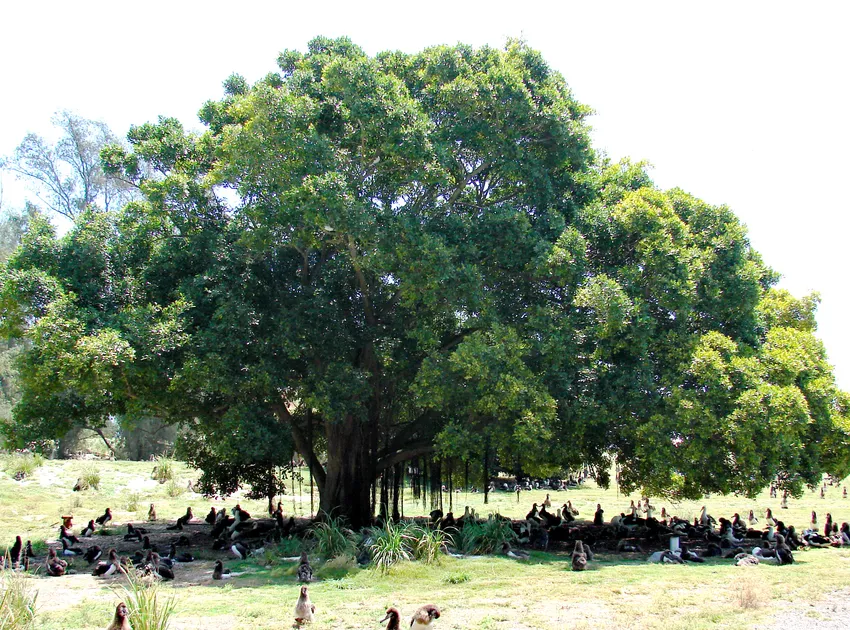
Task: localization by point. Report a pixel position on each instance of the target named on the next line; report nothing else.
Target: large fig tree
(373, 259)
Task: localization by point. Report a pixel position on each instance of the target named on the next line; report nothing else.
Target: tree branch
(105, 441)
(481, 167)
(361, 280)
(302, 444)
(397, 457)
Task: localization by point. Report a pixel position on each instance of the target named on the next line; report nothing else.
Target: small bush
(133, 501)
(21, 465)
(333, 538)
(173, 489)
(17, 601)
(163, 470)
(89, 477)
(392, 545)
(148, 609)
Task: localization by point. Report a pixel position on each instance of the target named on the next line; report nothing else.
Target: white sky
(744, 104)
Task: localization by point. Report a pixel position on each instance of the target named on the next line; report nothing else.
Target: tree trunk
(347, 484)
(436, 481)
(385, 500)
(487, 471)
(398, 473)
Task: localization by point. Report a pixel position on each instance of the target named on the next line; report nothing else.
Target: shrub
(148, 609)
(17, 601)
(89, 477)
(163, 470)
(333, 538)
(392, 545)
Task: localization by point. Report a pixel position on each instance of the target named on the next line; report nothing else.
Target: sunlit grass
(492, 592)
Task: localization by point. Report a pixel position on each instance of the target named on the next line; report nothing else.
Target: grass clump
(134, 499)
(21, 465)
(392, 544)
(457, 578)
(17, 602)
(486, 537)
(163, 471)
(749, 594)
(149, 609)
(428, 544)
(89, 477)
(173, 489)
(333, 538)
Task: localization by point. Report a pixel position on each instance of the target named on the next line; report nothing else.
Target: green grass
(492, 592)
(333, 538)
(17, 601)
(150, 607)
(90, 477)
(163, 469)
(20, 465)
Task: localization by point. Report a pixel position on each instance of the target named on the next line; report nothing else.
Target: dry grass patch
(749, 593)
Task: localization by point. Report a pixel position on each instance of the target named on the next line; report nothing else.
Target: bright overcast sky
(740, 103)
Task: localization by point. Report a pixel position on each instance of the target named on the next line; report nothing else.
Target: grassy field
(491, 592)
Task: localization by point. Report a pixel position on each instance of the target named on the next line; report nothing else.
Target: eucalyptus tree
(67, 176)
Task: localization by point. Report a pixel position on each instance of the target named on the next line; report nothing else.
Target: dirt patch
(830, 613)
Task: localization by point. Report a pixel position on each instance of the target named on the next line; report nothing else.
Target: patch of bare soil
(830, 613)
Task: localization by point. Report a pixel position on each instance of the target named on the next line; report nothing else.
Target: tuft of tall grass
(133, 501)
(163, 470)
(333, 538)
(173, 488)
(495, 532)
(392, 545)
(485, 537)
(149, 609)
(21, 465)
(427, 544)
(17, 601)
(89, 477)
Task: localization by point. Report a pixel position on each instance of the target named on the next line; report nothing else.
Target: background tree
(67, 177)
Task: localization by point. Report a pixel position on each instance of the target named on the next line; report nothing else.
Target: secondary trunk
(347, 485)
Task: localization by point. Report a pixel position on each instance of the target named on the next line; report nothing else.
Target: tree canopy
(373, 259)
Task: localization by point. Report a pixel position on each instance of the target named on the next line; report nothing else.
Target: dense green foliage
(366, 260)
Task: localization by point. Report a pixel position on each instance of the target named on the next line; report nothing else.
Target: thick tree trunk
(347, 484)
